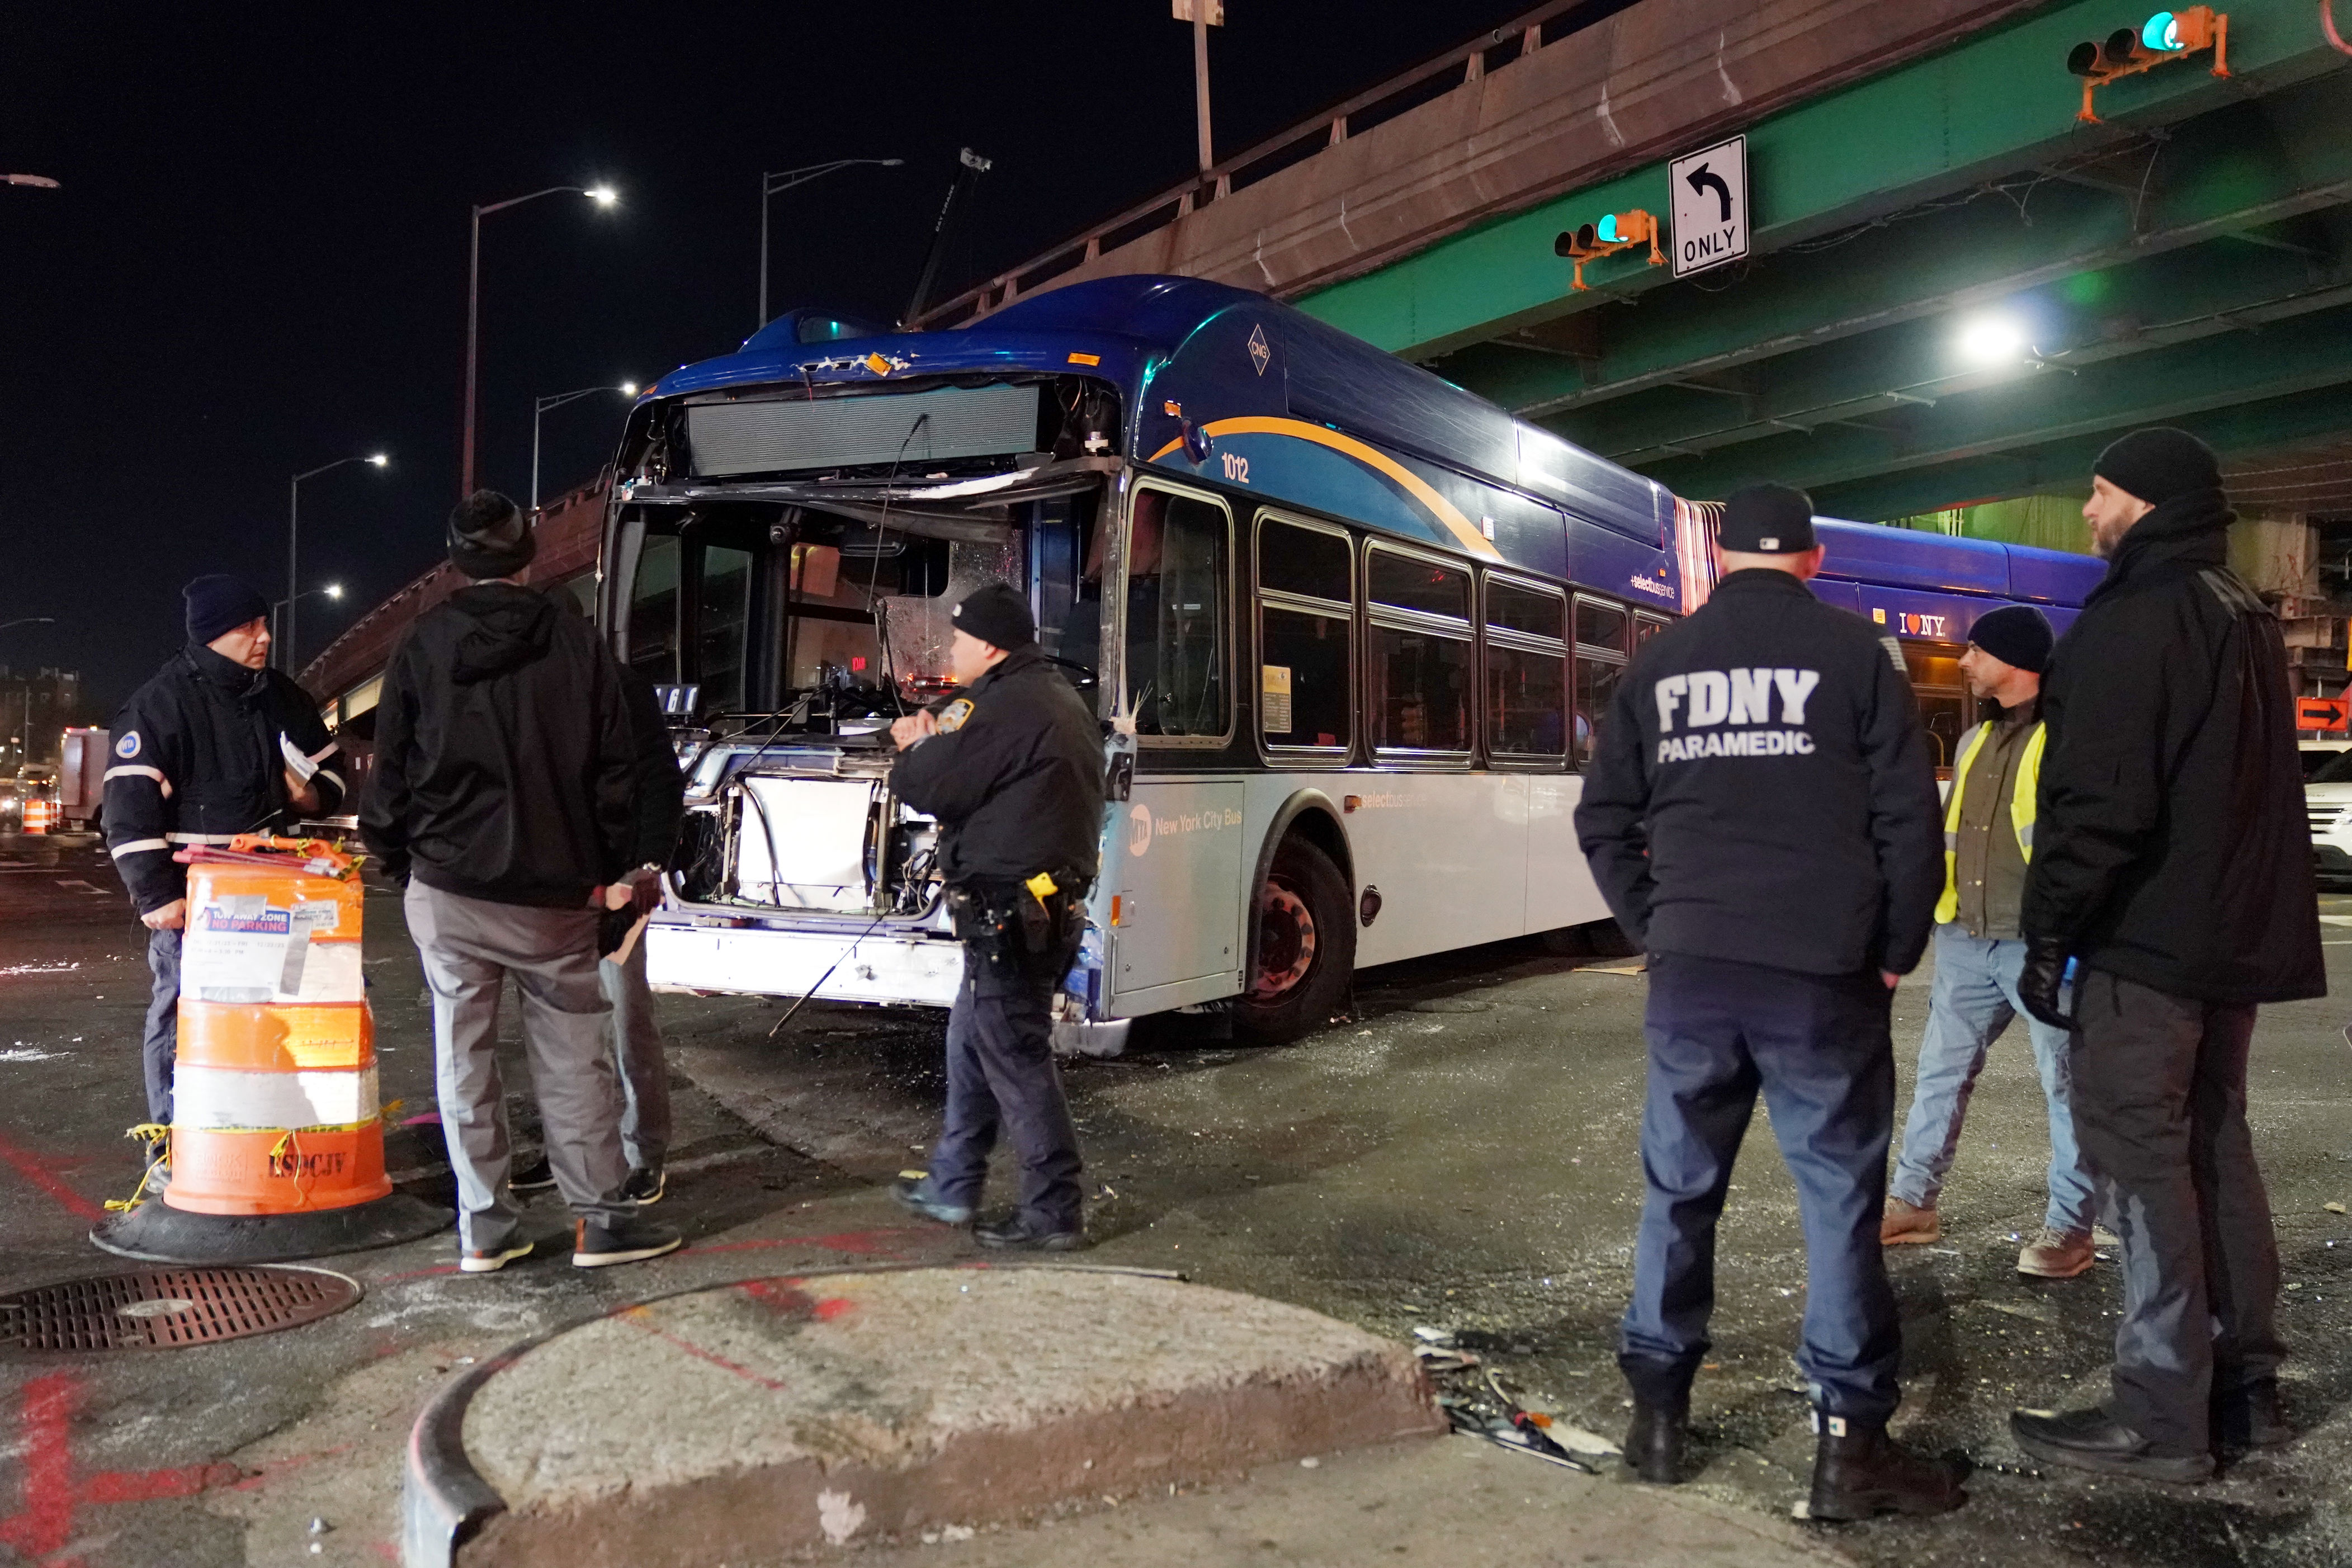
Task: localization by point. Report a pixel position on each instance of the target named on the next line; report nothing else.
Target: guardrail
(1407, 91)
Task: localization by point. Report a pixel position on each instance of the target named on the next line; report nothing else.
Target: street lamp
(539, 407)
(332, 591)
(776, 183)
(294, 538)
(603, 197)
(39, 182)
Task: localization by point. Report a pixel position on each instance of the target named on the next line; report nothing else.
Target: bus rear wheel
(1305, 947)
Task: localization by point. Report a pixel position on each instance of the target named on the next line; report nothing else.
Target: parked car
(2327, 798)
(2317, 754)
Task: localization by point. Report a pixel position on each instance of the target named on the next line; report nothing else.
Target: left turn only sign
(1710, 199)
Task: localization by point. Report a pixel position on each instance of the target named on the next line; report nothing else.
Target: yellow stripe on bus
(1468, 533)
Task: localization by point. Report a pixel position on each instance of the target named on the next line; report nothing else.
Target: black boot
(2090, 1440)
(1653, 1442)
(2251, 1417)
(1859, 1472)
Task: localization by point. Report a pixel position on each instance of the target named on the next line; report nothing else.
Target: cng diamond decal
(1259, 352)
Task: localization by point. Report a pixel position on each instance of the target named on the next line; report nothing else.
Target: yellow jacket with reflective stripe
(2021, 808)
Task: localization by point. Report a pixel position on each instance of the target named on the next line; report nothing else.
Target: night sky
(256, 263)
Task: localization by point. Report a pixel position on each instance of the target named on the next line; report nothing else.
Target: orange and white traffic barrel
(36, 815)
(275, 1114)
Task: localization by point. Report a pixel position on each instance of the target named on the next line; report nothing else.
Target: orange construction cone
(276, 1137)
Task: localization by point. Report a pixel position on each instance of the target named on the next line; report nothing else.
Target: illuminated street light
(539, 407)
(293, 545)
(603, 197)
(1994, 339)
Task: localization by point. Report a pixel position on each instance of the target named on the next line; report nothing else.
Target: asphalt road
(1459, 1154)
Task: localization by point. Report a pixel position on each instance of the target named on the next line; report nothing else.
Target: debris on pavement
(1489, 1412)
(2333, 1207)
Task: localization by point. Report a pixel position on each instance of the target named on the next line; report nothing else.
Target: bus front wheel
(1305, 947)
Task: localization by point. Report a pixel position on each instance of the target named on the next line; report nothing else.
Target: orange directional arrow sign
(2322, 713)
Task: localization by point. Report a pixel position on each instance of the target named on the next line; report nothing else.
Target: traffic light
(2165, 36)
(1614, 232)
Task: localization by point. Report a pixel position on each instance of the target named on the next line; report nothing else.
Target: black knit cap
(219, 604)
(2017, 635)
(1768, 520)
(996, 614)
(489, 536)
(2159, 464)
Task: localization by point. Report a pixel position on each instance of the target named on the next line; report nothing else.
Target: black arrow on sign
(1701, 177)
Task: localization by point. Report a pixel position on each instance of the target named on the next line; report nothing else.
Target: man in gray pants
(505, 769)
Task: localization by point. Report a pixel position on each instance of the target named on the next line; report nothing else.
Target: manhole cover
(162, 1309)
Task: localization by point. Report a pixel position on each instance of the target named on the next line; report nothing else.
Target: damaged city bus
(1350, 631)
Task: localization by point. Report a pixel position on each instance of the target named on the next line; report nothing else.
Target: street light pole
(294, 543)
(776, 183)
(539, 407)
(603, 197)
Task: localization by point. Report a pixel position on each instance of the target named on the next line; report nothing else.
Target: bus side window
(1943, 696)
(1178, 586)
(1527, 670)
(1305, 615)
(1601, 632)
(653, 610)
(1421, 653)
(1644, 628)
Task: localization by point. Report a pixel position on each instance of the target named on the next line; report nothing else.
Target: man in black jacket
(1013, 768)
(505, 763)
(216, 743)
(1761, 816)
(2172, 864)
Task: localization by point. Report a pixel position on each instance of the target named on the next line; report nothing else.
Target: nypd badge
(951, 716)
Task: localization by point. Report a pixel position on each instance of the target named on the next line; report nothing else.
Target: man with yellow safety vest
(1979, 951)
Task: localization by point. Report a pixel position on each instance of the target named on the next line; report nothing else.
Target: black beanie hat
(2017, 635)
(2159, 464)
(218, 604)
(1768, 520)
(995, 613)
(489, 536)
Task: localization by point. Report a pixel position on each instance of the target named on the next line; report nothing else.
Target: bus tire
(1305, 947)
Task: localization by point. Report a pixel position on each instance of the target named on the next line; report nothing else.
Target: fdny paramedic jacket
(198, 759)
(1762, 790)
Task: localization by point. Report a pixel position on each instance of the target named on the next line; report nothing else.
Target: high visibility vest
(2021, 808)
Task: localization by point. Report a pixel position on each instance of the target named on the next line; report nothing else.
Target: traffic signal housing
(1614, 232)
(2163, 37)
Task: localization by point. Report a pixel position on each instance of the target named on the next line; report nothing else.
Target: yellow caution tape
(1042, 885)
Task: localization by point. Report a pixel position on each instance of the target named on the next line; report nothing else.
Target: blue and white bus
(1348, 627)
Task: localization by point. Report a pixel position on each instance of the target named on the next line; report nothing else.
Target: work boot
(1860, 1471)
(2093, 1440)
(2057, 1253)
(1653, 1442)
(912, 1189)
(1906, 1224)
(1017, 1235)
(534, 1175)
(2252, 1417)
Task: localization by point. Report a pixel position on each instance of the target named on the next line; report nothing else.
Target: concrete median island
(772, 1415)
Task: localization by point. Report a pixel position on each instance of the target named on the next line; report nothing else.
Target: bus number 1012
(1236, 467)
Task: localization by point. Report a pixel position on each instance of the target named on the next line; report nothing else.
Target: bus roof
(1218, 353)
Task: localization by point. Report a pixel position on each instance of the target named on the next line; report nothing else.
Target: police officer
(1013, 769)
(216, 743)
(1762, 819)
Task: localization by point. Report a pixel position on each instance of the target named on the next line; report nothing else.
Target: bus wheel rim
(1286, 943)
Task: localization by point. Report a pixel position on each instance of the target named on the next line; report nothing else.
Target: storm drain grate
(165, 1309)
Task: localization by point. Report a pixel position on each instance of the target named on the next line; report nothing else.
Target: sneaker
(1016, 1236)
(1906, 1224)
(646, 1184)
(908, 1190)
(489, 1260)
(631, 1240)
(2057, 1253)
(536, 1177)
(2102, 1236)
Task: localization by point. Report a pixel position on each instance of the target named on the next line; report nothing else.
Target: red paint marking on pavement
(641, 1317)
(834, 1307)
(430, 1118)
(31, 1167)
(864, 1243)
(45, 1523)
(148, 1486)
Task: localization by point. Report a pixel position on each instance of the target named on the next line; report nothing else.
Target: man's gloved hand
(2039, 982)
